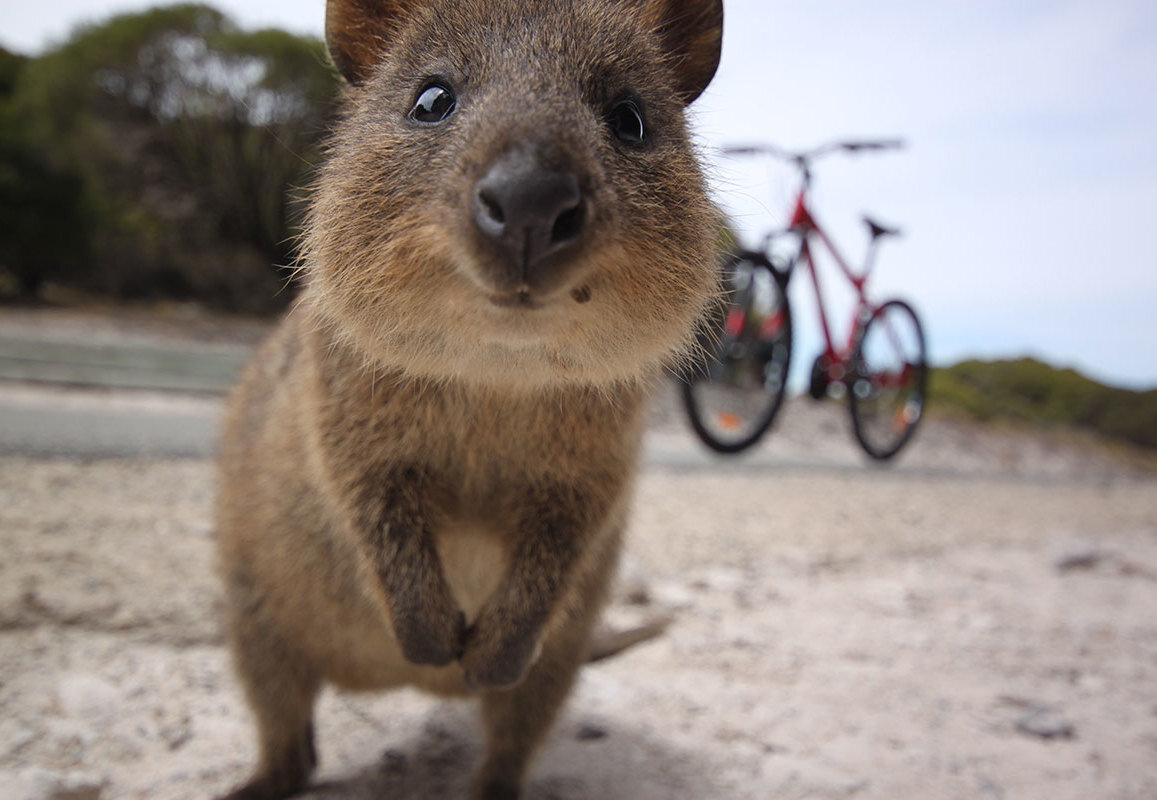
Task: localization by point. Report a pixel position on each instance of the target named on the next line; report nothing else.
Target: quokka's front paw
(430, 636)
(498, 656)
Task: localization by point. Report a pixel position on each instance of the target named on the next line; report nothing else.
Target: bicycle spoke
(887, 398)
(733, 402)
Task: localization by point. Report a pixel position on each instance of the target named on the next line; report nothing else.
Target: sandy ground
(976, 621)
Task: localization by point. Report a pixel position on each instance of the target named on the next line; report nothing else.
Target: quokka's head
(512, 196)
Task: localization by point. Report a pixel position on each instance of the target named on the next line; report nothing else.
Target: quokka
(426, 470)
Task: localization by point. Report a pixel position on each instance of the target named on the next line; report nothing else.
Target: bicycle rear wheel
(733, 399)
(890, 380)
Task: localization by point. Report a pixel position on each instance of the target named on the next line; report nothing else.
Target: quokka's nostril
(492, 207)
(569, 224)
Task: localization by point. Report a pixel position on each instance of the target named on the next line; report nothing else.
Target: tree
(46, 230)
(188, 137)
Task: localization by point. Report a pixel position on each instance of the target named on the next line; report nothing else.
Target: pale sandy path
(842, 632)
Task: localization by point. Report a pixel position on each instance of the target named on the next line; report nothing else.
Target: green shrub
(1031, 391)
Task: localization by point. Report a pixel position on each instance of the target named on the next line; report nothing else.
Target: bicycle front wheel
(733, 400)
(890, 380)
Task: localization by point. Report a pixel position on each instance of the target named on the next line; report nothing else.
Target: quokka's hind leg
(516, 720)
(281, 688)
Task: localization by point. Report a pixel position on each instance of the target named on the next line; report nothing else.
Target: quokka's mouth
(522, 297)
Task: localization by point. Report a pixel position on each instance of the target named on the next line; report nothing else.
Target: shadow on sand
(585, 757)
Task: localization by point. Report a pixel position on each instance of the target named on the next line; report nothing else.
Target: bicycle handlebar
(804, 156)
(882, 144)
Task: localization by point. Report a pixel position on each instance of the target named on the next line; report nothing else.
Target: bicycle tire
(732, 400)
(888, 388)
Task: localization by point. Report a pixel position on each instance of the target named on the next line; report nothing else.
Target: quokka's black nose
(529, 212)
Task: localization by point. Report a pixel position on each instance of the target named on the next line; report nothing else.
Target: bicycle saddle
(880, 230)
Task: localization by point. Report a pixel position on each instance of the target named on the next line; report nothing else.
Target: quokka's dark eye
(434, 104)
(626, 122)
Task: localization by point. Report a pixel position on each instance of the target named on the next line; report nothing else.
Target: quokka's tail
(607, 642)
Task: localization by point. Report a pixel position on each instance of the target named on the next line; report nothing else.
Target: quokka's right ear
(692, 35)
(357, 32)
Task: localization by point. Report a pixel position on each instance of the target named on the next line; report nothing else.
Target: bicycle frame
(881, 370)
(804, 225)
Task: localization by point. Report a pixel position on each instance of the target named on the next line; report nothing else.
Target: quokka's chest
(475, 558)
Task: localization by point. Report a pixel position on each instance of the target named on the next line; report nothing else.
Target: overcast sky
(1027, 192)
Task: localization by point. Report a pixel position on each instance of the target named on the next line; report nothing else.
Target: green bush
(1031, 391)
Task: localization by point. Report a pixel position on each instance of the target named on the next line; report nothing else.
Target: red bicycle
(882, 369)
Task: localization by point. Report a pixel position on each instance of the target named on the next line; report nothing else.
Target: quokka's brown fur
(427, 468)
